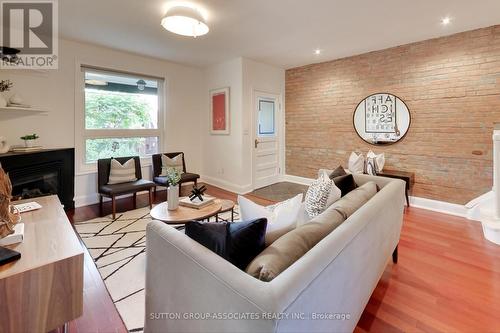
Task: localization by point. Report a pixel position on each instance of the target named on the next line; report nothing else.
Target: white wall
(55, 90)
(222, 164)
(227, 159)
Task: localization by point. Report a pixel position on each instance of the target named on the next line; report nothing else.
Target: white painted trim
(297, 179)
(417, 202)
(439, 206)
(225, 185)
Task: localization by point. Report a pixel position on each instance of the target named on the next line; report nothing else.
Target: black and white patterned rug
(118, 248)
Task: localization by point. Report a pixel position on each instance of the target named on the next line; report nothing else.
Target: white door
(266, 161)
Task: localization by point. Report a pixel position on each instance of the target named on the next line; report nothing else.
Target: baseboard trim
(297, 179)
(439, 206)
(417, 202)
(225, 185)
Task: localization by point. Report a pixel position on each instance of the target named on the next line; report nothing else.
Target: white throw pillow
(320, 195)
(303, 217)
(374, 163)
(167, 162)
(356, 163)
(122, 173)
(281, 217)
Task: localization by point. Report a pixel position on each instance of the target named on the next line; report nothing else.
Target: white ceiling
(284, 33)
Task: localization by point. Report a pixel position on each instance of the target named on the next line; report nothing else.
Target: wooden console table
(44, 289)
(408, 177)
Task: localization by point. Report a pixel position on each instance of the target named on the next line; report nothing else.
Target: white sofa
(191, 289)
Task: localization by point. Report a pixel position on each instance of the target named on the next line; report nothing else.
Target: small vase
(3, 101)
(173, 197)
(28, 143)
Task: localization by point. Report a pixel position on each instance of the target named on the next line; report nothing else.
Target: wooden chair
(114, 190)
(186, 177)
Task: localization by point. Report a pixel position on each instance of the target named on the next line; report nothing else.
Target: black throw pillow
(237, 242)
(338, 172)
(345, 183)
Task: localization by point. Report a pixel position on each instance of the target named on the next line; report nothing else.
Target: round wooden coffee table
(184, 214)
(227, 205)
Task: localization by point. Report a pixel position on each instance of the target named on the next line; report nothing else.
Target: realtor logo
(29, 34)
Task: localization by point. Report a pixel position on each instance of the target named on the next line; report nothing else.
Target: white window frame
(82, 134)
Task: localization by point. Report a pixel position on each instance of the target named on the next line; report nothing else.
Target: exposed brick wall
(452, 88)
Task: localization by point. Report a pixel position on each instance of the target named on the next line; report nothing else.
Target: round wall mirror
(381, 119)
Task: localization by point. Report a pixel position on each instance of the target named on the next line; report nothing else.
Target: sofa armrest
(199, 282)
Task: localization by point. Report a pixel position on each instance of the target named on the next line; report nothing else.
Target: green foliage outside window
(114, 110)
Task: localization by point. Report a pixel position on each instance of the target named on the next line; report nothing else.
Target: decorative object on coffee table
(173, 176)
(29, 139)
(8, 216)
(184, 214)
(381, 119)
(408, 177)
(197, 192)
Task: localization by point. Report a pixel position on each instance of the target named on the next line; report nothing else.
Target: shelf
(15, 108)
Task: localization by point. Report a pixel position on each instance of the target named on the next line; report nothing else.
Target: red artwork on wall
(219, 111)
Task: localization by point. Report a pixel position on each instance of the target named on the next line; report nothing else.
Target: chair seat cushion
(185, 177)
(189, 177)
(126, 188)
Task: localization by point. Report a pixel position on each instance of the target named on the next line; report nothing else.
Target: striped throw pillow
(122, 173)
(167, 162)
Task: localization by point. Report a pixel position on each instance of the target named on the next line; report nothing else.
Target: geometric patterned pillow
(318, 195)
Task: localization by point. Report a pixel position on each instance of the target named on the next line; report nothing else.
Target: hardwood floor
(447, 278)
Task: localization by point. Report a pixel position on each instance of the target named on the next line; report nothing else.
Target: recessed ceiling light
(185, 21)
(317, 51)
(445, 20)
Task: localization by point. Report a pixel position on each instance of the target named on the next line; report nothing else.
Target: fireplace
(40, 173)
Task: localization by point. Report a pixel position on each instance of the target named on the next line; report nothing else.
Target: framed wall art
(219, 111)
(381, 119)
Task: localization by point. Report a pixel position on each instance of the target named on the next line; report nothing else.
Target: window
(121, 115)
(266, 117)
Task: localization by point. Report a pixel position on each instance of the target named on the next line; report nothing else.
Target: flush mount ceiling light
(445, 20)
(317, 51)
(185, 21)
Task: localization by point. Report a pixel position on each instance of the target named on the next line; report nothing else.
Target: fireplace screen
(34, 185)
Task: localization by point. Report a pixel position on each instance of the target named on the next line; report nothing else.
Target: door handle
(256, 143)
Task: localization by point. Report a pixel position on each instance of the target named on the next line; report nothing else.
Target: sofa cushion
(345, 183)
(356, 163)
(353, 200)
(237, 242)
(340, 171)
(321, 193)
(292, 246)
(121, 173)
(281, 217)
